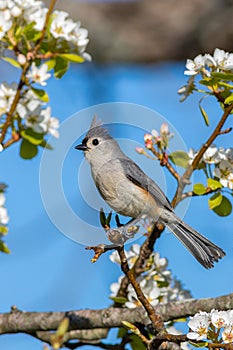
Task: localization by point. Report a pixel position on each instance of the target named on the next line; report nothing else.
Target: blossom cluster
(157, 282)
(220, 61)
(205, 65)
(222, 160)
(216, 326)
(160, 139)
(62, 27)
(30, 109)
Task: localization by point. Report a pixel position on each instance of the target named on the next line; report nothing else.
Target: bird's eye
(95, 142)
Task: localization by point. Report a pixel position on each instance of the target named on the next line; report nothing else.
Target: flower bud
(21, 59)
(139, 150)
(147, 137)
(164, 129)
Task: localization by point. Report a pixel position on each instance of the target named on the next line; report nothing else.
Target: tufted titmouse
(130, 192)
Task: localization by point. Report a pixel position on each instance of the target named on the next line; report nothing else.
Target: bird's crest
(95, 122)
(97, 129)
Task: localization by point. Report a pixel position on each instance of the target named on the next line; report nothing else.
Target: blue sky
(48, 271)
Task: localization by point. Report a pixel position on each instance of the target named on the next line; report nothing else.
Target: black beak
(81, 147)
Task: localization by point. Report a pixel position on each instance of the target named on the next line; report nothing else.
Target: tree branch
(28, 322)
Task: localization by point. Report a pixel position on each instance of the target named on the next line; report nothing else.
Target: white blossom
(149, 289)
(52, 124)
(195, 66)
(211, 155)
(114, 257)
(61, 26)
(37, 15)
(79, 37)
(5, 25)
(1, 147)
(114, 287)
(7, 94)
(229, 154)
(2, 199)
(35, 120)
(227, 334)
(192, 154)
(223, 59)
(18, 8)
(187, 89)
(219, 319)
(4, 218)
(224, 172)
(198, 324)
(131, 255)
(40, 74)
(159, 263)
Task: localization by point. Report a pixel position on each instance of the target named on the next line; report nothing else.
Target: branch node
(100, 249)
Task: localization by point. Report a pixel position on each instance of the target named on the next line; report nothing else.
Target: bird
(130, 192)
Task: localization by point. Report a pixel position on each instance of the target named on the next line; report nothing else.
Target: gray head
(98, 144)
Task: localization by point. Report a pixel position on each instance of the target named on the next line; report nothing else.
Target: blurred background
(139, 49)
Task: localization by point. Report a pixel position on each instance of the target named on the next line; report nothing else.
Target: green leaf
(199, 189)
(203, 112)
(41, 94)
(102, 218)
(4, 248)
(215, 200)
(33, 137)
(225, 208)
(223, 76)
(109, 217)
(31, 33)
(46, 145)
(199, 345)
(51, 63)
(221, 83)
(136, 343)
(72, 57)
(28, 150)
(213, 184)
(119, 300)
(3, 230)
(60, 67)
(162, 284)
(12, 61)
(229, 100)
(121, 332)
(179, 158)
(208, 81)
(181, 319)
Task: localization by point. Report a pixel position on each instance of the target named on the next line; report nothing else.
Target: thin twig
(100, 249)
(14, 103)
(43, 32)
(192, 194)
(165, 162)
(145, 251)
(187, 174)
(21, 83)
(156, 319)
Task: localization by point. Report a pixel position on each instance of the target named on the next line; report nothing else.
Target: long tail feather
(200, 247)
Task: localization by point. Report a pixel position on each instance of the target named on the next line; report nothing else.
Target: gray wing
(135, 174)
